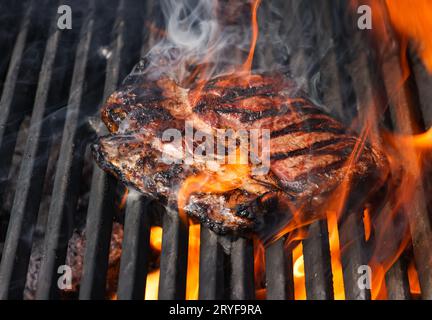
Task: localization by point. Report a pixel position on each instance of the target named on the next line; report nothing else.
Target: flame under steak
(309, 149)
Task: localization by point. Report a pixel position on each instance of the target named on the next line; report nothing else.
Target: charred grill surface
(310, 151)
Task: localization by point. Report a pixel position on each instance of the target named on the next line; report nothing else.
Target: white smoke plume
(200, 32)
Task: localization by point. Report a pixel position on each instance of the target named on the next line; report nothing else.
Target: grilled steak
(310, 151)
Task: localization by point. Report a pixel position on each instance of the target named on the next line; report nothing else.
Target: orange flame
(411, 22)
(414, 22)
(123, 199)
(247, 66)
(156, 238)
(413, 279)
(298, 272)
(259, 269)
(335, 254)
(398, 23)
(152, 283)
(367, 223)
(192, 278)
(421, 142)
(229, 177)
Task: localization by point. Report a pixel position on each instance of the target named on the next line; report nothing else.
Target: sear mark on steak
(309, 150)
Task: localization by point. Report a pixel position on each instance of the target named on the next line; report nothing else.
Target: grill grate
(220, 275)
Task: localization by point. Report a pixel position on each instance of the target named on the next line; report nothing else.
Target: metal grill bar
(331, 84)
(135, 250)
(350, 225)
(351, 237)
(366, 94)
(9, 88)
(397, 281)
(420, 224)
(317, 263)
(318, 274)
(211, 271)
(69, 164)
(101, 204)
(279, 272)
(278, 262)
(174, 256)
(242, 270)
(17, 247)
(424, 87)
(404, 121)
(136, 242)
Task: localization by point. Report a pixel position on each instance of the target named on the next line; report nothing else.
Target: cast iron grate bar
(397, 283)
(173, 260)
(279, 281)
(9, 90)
(135, 250)
(67, 175)
(242, 270)
(279, 272)
(101, 204)
(317, 263)
(353, 255)
(134, 261)
(316, 252)
(404, 121)
(211, 267)
(420, 225)
(424, 87)
(19, 236)
(174, 256)
(350, 224)
(365, 88)
(396, 278)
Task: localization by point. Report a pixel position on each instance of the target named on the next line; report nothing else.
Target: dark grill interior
(54, 81)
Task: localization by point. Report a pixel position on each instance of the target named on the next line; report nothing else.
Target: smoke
(202, 39)
(210, 34)
(194, 35)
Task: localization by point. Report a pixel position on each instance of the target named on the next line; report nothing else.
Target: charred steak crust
(309, 150)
